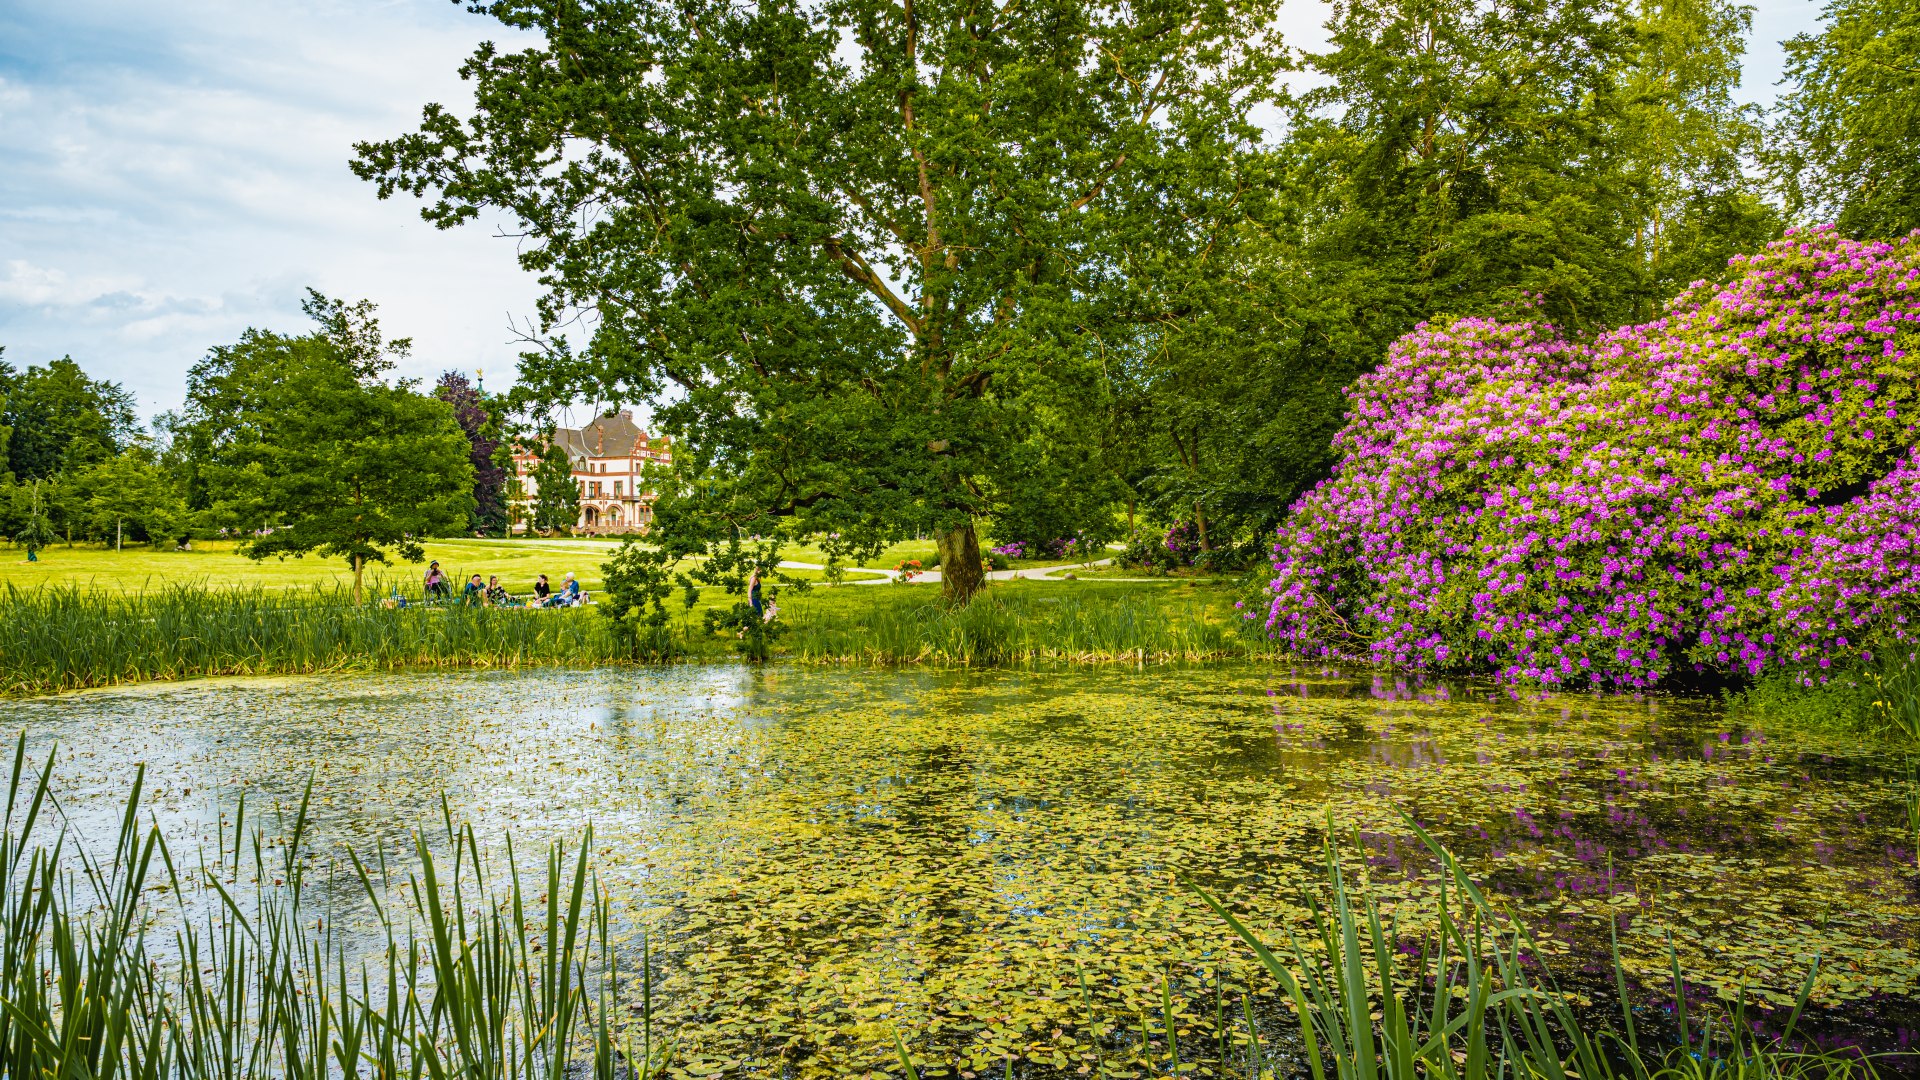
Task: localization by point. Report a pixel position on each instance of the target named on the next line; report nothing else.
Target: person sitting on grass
(541, 592)
(435, 585)
(570, 592)
(496, 594)
(475, 594)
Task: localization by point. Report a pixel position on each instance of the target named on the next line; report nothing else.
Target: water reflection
(824, 854)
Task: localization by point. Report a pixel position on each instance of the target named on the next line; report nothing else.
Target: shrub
(1730, 489)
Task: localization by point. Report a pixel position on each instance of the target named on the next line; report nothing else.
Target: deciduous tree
(853, 251)
(1847, 134)
(311, 451)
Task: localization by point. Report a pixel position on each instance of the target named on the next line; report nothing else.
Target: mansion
(607, 455)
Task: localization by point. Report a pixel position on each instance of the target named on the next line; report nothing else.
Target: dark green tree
(6, 431)
(855, 253)
(309, 450)
(1846, 145)
(61, 419)
(1687, 144)
(556, 495)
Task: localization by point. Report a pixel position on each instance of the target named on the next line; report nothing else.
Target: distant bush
(1729, 489)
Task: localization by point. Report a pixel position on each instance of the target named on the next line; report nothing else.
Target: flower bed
(1731, 488)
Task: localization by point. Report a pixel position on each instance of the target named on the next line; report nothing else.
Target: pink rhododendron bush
(1731, 489)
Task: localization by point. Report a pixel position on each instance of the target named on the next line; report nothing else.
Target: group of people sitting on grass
(438, 587)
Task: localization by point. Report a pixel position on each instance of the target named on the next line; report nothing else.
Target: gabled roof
(612, 436)
(607, 436)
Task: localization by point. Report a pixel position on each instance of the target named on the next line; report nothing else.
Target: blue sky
(171, 174)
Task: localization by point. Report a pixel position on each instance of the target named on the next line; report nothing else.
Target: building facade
(608, 456)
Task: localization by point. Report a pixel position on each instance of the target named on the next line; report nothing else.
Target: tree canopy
(309, 450)
(1847, 145)
(853, 251)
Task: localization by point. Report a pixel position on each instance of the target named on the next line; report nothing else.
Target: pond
(820, 856)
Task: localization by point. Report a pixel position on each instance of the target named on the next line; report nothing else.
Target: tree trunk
(356, 580)
(961, 574)
(1200, 520)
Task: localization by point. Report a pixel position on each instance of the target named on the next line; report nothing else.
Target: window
(596, 489)
(616, 489)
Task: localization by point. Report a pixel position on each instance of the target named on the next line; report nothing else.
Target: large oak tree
(854, 252)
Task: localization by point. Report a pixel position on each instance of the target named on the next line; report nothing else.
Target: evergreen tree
(556, 498)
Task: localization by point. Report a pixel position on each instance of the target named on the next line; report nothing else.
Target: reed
(69, 638)
(142, 966)
(1079, 623)
(1477, 1002)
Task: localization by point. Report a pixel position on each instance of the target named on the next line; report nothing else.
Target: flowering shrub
(1182, 543)
(1731, 488)
(1053, 549)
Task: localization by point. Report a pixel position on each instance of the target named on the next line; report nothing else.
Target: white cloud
(171, 174)
(174, 175)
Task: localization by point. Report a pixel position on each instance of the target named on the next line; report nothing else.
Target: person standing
(753, 594)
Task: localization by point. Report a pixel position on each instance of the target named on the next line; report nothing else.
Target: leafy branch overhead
(826, 240)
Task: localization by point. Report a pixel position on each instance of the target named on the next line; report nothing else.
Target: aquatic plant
(1477, 1001)
(1021, 626)
(154, 967)
(1729, 489)
(71, 638)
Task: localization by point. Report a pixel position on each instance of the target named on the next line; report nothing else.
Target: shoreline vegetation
(73, 638)
(249, 972)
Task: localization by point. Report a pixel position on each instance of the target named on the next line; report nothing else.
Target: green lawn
(215, 564)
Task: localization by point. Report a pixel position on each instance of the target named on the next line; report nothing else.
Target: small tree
(38, 531)
(131, 492)
(317, 454)
(556, 499)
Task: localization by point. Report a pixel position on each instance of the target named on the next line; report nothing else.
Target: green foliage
(305, 442)
(556, 499)
(856, 255)
(132, 493)
(72, 638)
(61, 420)
(637, 584)
(1847, 135)
(34, 531)
(262, 983)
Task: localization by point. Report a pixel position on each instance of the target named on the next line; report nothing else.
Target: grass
(153, 965)
(1881, 700)
(216, 564)
(61, 639)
